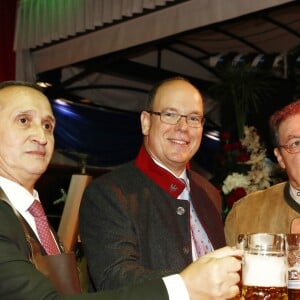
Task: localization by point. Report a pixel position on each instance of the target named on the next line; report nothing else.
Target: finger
(225, 251)
(233, 291)
(233, 278)
(229, 264)
(230, 287)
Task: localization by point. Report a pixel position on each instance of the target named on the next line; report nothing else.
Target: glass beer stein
(264, 267)
(241, 243)
(293, 255)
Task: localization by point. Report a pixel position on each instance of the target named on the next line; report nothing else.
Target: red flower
(230, 147)
(225, 136)
(227, 148)
(243, 156)
(235, 195)
(236, 145)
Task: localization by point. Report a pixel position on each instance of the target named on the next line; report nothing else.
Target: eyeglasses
(193, 120)
(293, 146)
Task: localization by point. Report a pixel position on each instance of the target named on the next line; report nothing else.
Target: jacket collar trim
(289, 200)
(167, 181)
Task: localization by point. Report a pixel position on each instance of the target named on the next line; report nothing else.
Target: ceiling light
(43, 84)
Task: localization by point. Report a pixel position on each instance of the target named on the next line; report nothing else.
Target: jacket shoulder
(261, 195)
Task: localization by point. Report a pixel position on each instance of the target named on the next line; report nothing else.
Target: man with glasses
(153, 216)
(27, 263)
(277, 208)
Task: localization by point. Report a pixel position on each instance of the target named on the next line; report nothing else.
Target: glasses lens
(293, 146)
(293, 150)
(195, 120)
(169, 118)
(173, 118)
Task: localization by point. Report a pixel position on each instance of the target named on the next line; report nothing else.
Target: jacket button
(186, 250)
(180, 210)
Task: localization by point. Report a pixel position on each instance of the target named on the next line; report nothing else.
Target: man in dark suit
(27, 142)
(153, 216)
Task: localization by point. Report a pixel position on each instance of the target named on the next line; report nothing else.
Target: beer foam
(264, 270)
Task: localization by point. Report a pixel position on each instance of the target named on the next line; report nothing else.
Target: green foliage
(241, 91)
(294, 70)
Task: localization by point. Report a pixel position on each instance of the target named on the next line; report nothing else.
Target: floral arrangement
(246, 166)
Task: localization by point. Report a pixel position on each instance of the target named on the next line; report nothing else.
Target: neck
(175, 171)
(28, 183)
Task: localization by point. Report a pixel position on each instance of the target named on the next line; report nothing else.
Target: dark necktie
(43, 229)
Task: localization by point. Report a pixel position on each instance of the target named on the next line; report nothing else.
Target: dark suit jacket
(19, 280)
(133, 231)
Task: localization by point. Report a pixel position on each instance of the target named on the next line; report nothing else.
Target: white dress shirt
(21, 200)
(176, 287)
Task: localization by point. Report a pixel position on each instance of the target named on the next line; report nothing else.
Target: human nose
(39, 135)
(182, 121)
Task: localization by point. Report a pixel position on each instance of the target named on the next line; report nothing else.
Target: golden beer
(264, 268)
(293, 294)
(293, 248)
(294, 283)
(260, 292)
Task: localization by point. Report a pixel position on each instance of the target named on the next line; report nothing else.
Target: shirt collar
(19, 197)
(183, 176)
(295, 194)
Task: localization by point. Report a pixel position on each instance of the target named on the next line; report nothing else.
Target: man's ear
(145, 122)
(279, 158)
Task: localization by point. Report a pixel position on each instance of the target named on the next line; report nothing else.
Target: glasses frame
(287, 149)
(157, 113)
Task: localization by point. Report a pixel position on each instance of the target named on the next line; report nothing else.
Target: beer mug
(293, 255)
(264, 267)
(241, 243)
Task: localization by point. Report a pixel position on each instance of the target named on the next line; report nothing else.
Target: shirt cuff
(176, 287)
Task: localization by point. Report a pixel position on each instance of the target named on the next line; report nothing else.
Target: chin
(179, 158)
(38, 169)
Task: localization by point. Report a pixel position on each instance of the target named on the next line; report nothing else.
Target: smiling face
(289, 130)
(173, 145)
(26, 133)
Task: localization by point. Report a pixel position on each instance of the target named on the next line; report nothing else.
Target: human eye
(170, 115)
(48, 126)
(195, 118)
(295, 144)
(23, 120)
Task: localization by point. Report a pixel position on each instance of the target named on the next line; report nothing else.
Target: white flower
(261, 168)
(251, 140)
(235, 180)
(260, 179)
(257, 160)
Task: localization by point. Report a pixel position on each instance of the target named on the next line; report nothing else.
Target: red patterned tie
(43, 229)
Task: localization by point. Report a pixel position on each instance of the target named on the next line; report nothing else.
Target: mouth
(179, 142)
(37, 153)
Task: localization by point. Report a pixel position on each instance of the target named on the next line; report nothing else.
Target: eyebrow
(176, 110)
(52, 118)
(293, 136)
(32, 111)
